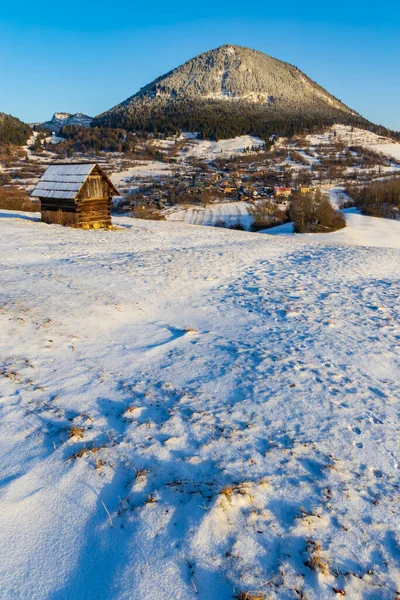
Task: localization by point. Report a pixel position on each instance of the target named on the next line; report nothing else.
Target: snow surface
(146, 169)
(238, 395)
(359, 231)
(353, 136)
(388, 149)
(230, 212)
(210, 150)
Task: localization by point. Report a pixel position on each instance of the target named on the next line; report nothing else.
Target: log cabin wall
(94, 211)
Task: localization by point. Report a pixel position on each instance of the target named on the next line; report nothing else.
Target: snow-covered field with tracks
(231, 213)
(190, 412)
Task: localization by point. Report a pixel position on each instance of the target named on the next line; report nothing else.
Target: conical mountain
(230, 91)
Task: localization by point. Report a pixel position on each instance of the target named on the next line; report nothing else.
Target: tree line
(377, 199)
(214, 119)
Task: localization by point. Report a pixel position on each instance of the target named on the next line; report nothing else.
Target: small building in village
(283, 191)
(75, 194)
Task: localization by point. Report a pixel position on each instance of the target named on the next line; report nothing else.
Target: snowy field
(388, 149)
(146, 169)
(359, 231)
(190, 412)
(210, 150)
(229, 212)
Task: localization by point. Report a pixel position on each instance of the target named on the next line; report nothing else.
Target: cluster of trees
(369, 158)
(13, 131)
(265, 147)
(94, 140)
(313, 213)
(377, 199)
(39, 142)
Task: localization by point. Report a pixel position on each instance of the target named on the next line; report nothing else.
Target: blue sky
(87, 56)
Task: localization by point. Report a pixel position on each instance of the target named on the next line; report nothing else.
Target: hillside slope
(13, 131)
(230, 91)
(235, 399)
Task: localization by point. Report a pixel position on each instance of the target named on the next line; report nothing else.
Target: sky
(88, 56)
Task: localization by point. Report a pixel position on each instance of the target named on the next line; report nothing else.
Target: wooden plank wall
(58, 217)
(95, 210)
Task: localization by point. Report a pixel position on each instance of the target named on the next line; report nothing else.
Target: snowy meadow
(189, 412)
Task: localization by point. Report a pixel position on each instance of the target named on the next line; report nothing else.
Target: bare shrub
(147, 212)
(59, 218)
(16, 199)
(265, 214)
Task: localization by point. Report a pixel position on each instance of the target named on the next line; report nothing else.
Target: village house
(283, 191)
(76, 194)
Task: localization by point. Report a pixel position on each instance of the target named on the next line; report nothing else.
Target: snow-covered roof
(64, 181)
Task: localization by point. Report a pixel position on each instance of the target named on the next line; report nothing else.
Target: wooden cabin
(76, 194)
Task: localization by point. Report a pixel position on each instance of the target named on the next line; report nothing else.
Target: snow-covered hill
(353, 136)
(210, 150)
(230, 90)
(191, 412)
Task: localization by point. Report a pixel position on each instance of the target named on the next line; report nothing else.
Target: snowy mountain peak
(60, 119)
(61, 115)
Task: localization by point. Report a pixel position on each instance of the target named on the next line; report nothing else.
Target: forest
(214, 119)
(13, 131)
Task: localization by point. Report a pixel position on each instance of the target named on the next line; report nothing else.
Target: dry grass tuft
(141, 473)
(316, 561)
(229, 490)
(80, 453)
(76, 432)
(249, 596)
(150, 499)
(83, 451)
